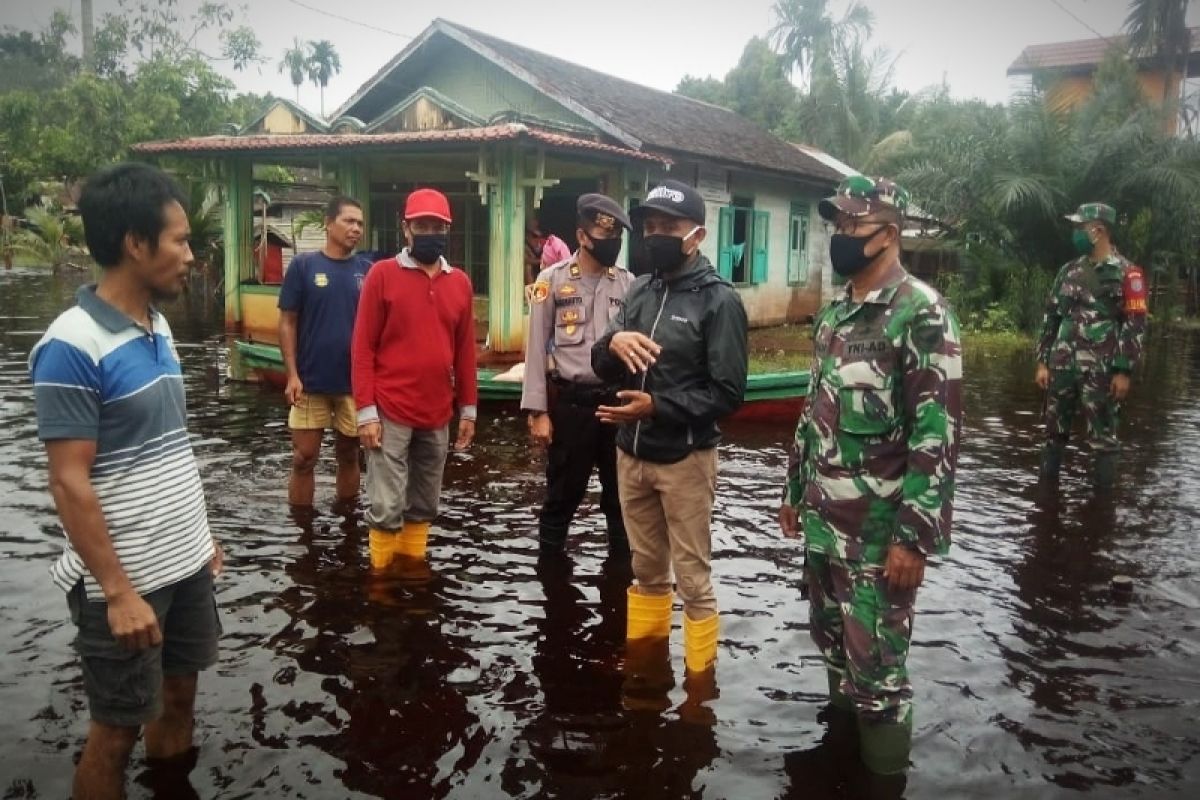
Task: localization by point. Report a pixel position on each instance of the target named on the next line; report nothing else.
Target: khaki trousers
(668, 516)
(404, 477)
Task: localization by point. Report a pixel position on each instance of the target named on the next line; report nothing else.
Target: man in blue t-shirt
(317, 305)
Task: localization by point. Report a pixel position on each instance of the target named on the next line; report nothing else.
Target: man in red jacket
(413, 363)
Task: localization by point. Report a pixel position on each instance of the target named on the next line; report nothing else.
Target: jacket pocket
(866, 400)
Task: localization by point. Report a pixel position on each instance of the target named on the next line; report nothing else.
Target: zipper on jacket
(637, 431)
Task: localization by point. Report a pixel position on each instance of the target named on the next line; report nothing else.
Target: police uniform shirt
(567, 314)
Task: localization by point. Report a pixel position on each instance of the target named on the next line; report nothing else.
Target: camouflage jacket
(877, 442)
(1095, 316)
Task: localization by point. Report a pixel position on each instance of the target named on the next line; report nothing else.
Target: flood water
(490, 677)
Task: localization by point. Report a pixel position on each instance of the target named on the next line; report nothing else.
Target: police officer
(1090, 342)
(570, 306)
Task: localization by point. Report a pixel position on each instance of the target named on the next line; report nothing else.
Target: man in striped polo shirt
(139, 560)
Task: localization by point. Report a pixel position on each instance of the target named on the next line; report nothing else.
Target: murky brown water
(495, 679)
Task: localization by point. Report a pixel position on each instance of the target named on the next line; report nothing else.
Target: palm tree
(295, 62)
(1158, 29)
(204, 218)
(323, 64)
(806, 35)
(51, 240)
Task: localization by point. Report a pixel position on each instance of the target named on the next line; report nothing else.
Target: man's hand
(1119, 386)
(636, 350)
(540, 429)
(133, 622)
(905, 568)
(466, 434)
(1042, 377)
(639, 405)
(789, 521)
(370, 435)
(217, 564)
(293, 391)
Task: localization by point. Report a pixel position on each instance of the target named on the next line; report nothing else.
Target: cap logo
(605, 221)
(662, 192)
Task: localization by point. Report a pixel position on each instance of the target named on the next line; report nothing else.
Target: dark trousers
(578, 443)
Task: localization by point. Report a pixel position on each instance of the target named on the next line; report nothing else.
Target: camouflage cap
(859, 195)
(1099, 212)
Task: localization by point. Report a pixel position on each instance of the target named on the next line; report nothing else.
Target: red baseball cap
(427, 203)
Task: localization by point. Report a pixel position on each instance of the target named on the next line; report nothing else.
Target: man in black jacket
(679, 347)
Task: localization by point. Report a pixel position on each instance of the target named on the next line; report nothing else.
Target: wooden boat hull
(770, 397)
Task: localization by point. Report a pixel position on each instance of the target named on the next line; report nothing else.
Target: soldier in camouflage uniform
(871, 483)
(1091, 341)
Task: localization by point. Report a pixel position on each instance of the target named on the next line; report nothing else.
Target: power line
(1078, 19)
(368, 26)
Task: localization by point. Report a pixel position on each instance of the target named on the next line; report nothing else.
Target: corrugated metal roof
(280, 143)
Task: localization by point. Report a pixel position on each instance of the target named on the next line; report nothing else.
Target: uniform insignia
(570, 316)
(566, 290)
(1135, 292)
(605, 221)
(569, 330)
(321, 279)
(612, 273)
(539, 292)
(576, 272)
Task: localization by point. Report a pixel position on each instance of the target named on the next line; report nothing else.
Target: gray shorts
(404, 477)
(124, 687)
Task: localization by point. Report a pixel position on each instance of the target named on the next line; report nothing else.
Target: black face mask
(664, 253)
(847, 253)
(427, 248)
(605, 251)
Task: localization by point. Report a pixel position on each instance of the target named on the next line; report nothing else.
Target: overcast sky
(969, 43)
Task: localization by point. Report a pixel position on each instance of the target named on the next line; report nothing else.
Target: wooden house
(507, 132)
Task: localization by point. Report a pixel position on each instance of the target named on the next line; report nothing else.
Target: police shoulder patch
(539, 292)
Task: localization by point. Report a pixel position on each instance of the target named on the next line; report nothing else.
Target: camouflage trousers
(1072, 389)
(862, 629)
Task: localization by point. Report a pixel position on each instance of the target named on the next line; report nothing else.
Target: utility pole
(89, 35)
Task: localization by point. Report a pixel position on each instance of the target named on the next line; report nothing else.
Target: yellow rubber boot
(382, 545)
(648, 615)
(700, 642)
(412, 540)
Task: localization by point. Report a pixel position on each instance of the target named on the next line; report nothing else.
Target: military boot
(1052, 453)
(1104, 470)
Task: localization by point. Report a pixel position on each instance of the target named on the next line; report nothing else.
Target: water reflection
(496, 675)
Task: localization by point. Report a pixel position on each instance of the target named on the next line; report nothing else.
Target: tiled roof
(1077, 54)
(279, 143)
(658, 120)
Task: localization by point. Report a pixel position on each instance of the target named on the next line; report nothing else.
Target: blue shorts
(124, 687)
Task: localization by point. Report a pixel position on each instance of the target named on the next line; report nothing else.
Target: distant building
(1070, 68)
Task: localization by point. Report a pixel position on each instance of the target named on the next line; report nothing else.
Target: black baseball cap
(602, 210)
(675, 198)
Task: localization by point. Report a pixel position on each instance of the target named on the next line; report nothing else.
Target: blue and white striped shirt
(100, 376)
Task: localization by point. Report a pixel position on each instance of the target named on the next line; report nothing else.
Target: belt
(584, 394)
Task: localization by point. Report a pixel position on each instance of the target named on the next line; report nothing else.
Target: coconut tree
(806, 34)
(323, 64)
(204, 219)
(295, 63)
(1158, 30)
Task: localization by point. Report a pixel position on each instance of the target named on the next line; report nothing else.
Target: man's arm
(1131, 332)
(368, 324)
(607, 366)
(537, 335)
(288, 322)
(466, 378)
(727, 354)
(1051, 320)
(132, 620)
(932, 402)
